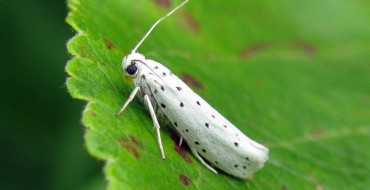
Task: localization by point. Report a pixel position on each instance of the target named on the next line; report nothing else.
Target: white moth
(209, 135)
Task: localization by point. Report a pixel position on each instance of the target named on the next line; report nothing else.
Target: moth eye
(131, 69)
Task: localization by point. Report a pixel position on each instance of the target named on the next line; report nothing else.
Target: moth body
(208, 134)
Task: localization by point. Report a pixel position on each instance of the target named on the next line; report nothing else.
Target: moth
(210, 136)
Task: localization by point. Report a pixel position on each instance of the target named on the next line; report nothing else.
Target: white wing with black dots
(205, 130)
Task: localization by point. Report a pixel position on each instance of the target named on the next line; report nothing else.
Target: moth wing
(208, 132)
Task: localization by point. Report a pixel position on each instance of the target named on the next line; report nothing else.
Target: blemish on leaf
(191, 81)
(125, 143)
(317, 133)
(108, 43)
(183, 153)
(185, 180)
(102, 63)
(190, 22)
(93, 114)
(136, 142)
(319, 187)
(176, 139)
(306, 47)
(284, 187)
(163, 3)
(252, 50)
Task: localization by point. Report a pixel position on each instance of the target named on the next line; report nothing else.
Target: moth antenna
(156, 23)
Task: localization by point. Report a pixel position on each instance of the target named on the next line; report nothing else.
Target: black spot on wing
(236, 144)
(181, 104)
(207, 125)
(163, 106)
(178, 88)
(162, 88)
(198, 103)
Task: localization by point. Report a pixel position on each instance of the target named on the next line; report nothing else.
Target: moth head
(131, 62)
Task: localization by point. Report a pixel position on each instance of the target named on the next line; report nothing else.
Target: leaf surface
(291, 75)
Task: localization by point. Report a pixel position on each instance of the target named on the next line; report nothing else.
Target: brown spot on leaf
(305, 46)
(191, 81)
(126, 144)
(252, 50)
(102, 63)
(163, 3)
(176, 139)
(136, 142)
(317, 133)
(93, 114)
(183, 153)
(185, 180)
(284, 187)
(108, 43)
(190, 22)
(319, 187)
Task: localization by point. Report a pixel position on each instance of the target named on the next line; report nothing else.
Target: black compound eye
(131, 69)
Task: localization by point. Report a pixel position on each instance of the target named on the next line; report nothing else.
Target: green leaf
(293, 75)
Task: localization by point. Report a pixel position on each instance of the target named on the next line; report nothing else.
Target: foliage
(292, 75)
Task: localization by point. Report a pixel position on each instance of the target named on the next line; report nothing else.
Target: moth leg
(130, 98)
(180, 141)
(202, 161)
(155, 121)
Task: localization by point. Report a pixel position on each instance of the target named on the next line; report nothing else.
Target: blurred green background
(41, 137)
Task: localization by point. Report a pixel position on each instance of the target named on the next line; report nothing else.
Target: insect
(209, 135)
